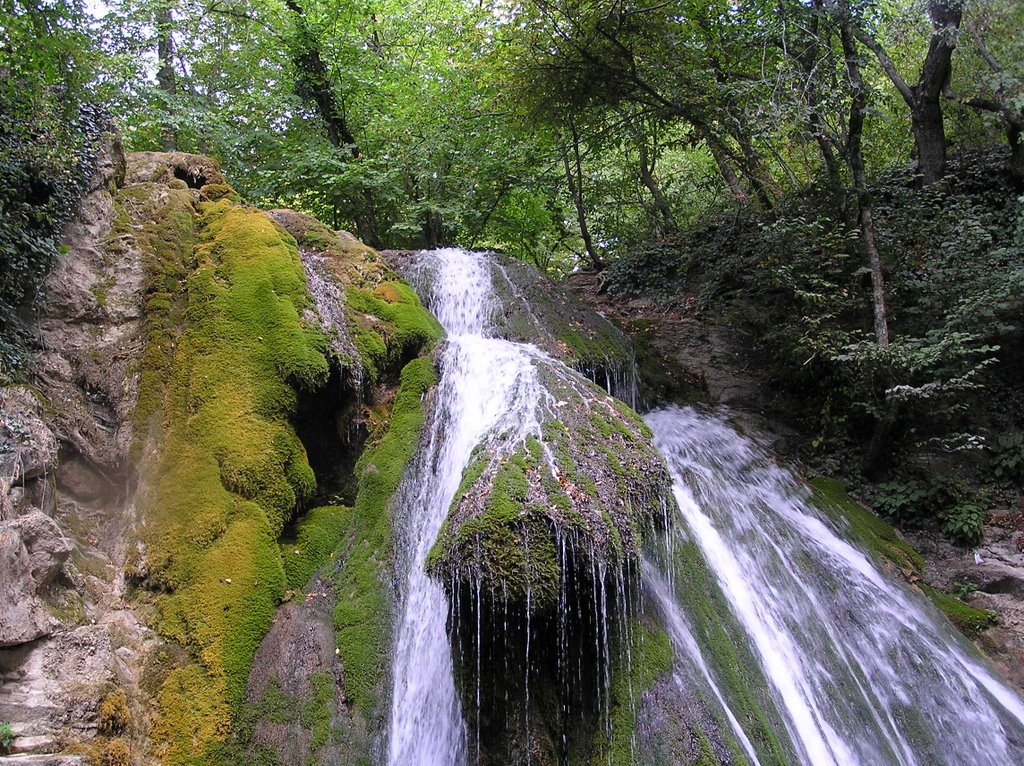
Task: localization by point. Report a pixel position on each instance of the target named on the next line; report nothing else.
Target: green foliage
(916, 500)
(1008, 457)
(7, 736)
(50, 127)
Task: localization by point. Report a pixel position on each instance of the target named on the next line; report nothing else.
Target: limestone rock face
(66, 473)
(22, 616)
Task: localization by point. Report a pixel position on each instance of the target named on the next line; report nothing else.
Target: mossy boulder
(588, 487)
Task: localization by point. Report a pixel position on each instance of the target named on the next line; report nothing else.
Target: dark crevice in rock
(539, 683)
(330, 425)
(194, 180)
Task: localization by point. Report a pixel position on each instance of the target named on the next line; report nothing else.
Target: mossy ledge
(231, 470)
(892, 552)
(591, 487)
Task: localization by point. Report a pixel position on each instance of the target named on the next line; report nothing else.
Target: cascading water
(487, 385)
(862, 670)
(843, 666)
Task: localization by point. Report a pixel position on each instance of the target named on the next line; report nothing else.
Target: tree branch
(890, 68)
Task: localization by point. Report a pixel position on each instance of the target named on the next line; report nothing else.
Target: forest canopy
(562, 132)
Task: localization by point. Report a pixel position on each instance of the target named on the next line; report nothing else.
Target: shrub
(7, 736)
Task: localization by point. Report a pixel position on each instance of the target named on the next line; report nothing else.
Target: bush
(7, 736)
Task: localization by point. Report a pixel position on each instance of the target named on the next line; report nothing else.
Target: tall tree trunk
(924, 97)
(313, 85)
(929, 138)
(166, 80)
(766, 190)
(574, 178)
(651, 183)
(855, 158)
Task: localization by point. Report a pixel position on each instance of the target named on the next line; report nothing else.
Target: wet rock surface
(992, 580)
(296, 681)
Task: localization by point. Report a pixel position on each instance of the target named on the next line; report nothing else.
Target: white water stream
(487, 385)
(861, 668)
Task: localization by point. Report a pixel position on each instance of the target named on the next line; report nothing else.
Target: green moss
(880, 538)
(388, 324)
(969, 620)
(511, 542)
(886, 546)
(232, 469)
(215, 192)
(596, 347)
(362, 617)
(650, 654)
(317, 537)
(720, 639)
(317, 712)
(194, 714)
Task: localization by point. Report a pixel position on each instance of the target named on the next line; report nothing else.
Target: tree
(855, 158)
(999, 89)
(924, 97)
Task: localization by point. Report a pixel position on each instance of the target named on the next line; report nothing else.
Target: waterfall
(833, 662)
(861, 669)
(487, 386)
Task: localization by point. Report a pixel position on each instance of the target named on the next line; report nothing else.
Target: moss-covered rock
(364, 615)
(317, 536)
(231, 470)
(592, 485)
(536, 310)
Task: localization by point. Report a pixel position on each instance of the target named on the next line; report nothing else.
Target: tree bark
(923, 98)
(313, 82)
(855, 158)
(651, 183)
(574, 178)
(720, 154)
(166, 80)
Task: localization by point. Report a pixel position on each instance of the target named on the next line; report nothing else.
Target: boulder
(46, 545)
(578, 499)
(23, 617)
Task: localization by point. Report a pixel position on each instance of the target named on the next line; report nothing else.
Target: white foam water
(862, 669)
